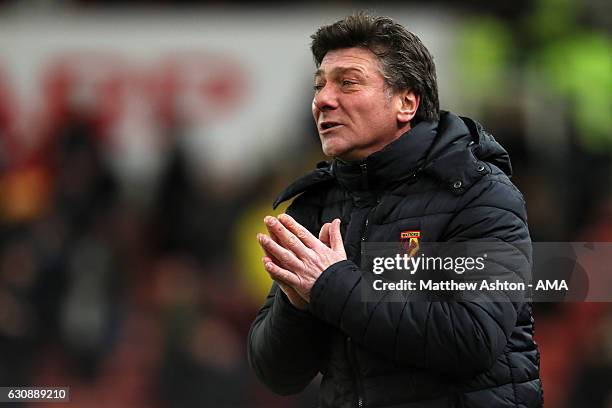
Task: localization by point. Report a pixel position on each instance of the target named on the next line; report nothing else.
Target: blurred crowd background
(141, 145)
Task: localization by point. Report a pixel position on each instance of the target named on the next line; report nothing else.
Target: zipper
(351, 356)
(366, 224)
(352, 359)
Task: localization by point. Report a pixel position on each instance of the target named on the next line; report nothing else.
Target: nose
(325, 98)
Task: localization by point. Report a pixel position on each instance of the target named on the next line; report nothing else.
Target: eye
(346, 82)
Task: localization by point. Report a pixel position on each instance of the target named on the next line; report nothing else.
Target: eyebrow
(339, 70)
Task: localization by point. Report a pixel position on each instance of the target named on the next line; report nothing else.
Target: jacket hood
(463, 152)
(456, 150)
(453, 129)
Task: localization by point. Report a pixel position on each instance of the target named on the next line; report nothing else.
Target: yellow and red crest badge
(410, 241)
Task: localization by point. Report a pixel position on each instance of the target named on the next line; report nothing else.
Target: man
(398, 164)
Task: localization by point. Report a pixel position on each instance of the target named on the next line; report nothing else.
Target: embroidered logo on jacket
(410, 241)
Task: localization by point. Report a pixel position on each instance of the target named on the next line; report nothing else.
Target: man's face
(355, 114)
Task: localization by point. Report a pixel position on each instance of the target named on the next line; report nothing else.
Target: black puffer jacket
(450, 181)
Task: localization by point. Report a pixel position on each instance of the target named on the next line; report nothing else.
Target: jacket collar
(397, 161)
(457, 151)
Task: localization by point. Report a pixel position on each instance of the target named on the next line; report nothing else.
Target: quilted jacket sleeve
(285, 344)
(460, 339)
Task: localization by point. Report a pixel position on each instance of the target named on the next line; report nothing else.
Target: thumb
(324, 234)
(335, 237)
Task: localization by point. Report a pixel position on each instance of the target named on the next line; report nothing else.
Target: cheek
(380, 115)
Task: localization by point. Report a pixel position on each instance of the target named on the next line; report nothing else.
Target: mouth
(328, 125)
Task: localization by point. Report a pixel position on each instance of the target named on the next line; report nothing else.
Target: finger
(335, 237)
(272, 230)
(285, 257)
(324, 234)
(279, 274)
(299, 231)
(266, 252)
(286, 238)
(272, 234)
(282, 275)
(270, 256)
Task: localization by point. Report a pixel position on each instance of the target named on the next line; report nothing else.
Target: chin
(332, 152)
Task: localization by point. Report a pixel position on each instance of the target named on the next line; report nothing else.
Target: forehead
(360, 59)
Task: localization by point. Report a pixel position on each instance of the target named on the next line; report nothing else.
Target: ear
(408, 103)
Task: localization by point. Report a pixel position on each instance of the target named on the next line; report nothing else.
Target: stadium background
(141, 145)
